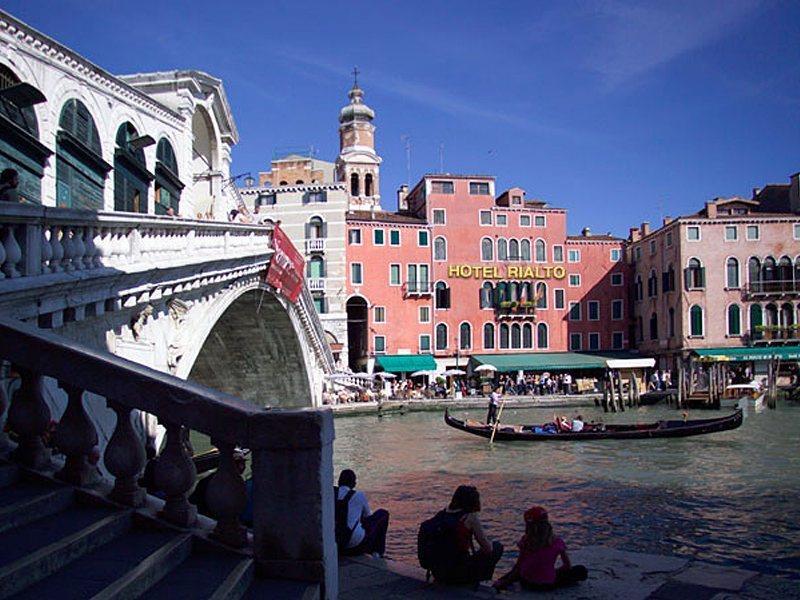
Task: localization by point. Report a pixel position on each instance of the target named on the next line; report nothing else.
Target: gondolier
(494, 403)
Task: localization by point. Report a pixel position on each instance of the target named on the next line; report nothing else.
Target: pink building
(726, 276)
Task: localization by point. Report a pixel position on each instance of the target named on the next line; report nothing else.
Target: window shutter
(687, 278)
(447, 298)
(324, 230)
(322, 269)
(308, 231)
(702, 273)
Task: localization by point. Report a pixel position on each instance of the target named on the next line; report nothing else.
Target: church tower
(357, 165)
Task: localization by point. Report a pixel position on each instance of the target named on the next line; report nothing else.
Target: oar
(497, 420)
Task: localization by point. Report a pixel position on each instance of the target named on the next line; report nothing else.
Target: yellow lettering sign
(507, 272)
(559, 272)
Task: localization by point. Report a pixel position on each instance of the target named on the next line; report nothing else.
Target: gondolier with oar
(494, 404)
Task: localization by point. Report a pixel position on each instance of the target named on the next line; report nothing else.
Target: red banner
(285, 271)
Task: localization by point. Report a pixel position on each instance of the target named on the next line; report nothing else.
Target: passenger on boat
(538, 551)
(577, 424)
(462, 564)
(564, 424)
(367, 530)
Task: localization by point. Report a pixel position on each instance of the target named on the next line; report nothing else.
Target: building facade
(726, 276)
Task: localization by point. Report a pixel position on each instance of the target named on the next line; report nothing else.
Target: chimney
(666, 221)
(586, 232)
(794, 193)
(402, 194)
(645, 228)
(756, 192)
(633, 234)
(711, 209)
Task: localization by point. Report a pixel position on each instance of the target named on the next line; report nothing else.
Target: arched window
(516, 336)
(638, 287)
(653, 327)
(785, 274)
(131, 177)
(541, 295)
(734, 320)
(696, 320)
(527, 335)
(525, 251)
(669, 284)
(513, 250)
(487, 249)
(441, 336)
(316, 267)
(503, 336)
(797, 274)
(502, 249)
(355, 188)
(465, 336)
(541, 336)
(487, 295)
(754, 274)
(639, 329)
(513, 291)
(439, 248)
(695, 275)
(671, 323)
(771, 315)
(732, 273)
(168, 184)
(368, 191)
(442, 295)
(316, 229)
(24, 116)
(80, 168)
(541, 251)
(488, 336)
(652, 284)
(769, 273)
(503, 293)
(756, 321)
(299, 182)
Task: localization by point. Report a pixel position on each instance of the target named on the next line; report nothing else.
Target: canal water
(729, 498)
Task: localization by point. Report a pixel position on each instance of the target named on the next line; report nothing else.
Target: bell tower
(357, 165)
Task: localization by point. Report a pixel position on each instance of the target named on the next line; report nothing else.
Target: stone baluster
(75, 437)
(47, 251)
(91, 250)
(29, 417)
(226, 497)
(69, 249)
(102, 241)
(175, 475)
(78, 248)
(120, 246)
(13, 252)
(125, 459)
(56, 262)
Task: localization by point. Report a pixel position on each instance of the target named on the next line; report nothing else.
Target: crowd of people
(453, 546)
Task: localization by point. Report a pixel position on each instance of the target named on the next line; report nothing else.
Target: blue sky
(617, 111)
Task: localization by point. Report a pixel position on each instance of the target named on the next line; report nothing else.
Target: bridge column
(293, 492)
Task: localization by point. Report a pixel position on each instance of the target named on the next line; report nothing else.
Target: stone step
(28, 509)
(9, 474)
(121, 568)
(207, 573)
(283, 589)
(35, 551)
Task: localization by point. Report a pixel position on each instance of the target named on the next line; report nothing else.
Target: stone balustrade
(291, 449)
(38, 240)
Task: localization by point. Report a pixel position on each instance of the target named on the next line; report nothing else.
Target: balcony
(417, 288)
(777, 288)
(316, 284)
(315, 245)
(775, 335)
(523, 309)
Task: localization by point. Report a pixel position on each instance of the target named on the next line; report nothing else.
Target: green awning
(749, 354)
(406, 363)
(540, 361)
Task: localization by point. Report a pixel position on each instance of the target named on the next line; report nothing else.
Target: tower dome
(356, 110)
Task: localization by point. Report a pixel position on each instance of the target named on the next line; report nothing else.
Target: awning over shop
(406, 363)
(749, 354)
(631, 363)
(540, 361)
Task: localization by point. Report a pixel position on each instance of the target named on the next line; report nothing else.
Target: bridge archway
(250, 345)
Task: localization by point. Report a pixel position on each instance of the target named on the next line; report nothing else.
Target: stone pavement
(613, 575)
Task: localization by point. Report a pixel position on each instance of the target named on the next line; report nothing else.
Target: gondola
(632, 431)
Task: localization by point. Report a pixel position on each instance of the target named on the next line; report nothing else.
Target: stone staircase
(58, 541)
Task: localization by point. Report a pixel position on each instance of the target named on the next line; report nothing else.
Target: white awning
(631, 363)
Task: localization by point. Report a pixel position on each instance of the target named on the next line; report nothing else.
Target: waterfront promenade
(613, 575)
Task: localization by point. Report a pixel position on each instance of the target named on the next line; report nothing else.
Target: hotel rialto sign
(506, 272)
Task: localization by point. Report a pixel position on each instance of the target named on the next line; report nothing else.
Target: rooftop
(384, 217)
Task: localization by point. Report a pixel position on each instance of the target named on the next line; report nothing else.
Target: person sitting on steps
(358, 530)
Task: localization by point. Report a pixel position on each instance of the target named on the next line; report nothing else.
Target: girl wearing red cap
(539, 549)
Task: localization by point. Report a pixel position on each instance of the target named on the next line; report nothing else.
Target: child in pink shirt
(539, 549)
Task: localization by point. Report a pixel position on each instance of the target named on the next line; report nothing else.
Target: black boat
(633, 431)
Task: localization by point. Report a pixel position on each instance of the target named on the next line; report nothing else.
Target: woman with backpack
(446, 542)
(539, 550)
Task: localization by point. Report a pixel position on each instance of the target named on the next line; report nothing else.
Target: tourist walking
(494, 403)
(445, 545)
(538, 551)
(358, 530)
